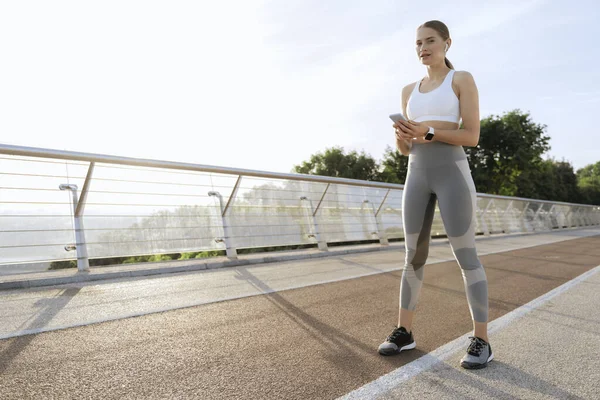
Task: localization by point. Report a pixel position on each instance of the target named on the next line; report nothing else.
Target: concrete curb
(149, 269)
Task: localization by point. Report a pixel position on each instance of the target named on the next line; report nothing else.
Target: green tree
(588, 180)
(551, 180)
(568, 181)
(394, 166)
(509, 154)
(566, 188)
(335, 162)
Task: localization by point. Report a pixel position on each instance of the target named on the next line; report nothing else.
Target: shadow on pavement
(49, 308)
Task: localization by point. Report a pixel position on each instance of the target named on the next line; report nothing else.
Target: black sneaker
(479, 354)
(398, 340)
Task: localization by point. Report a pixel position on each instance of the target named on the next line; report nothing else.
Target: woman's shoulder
(462, 76)
(463, 82)
(409, 87)
(406, 90)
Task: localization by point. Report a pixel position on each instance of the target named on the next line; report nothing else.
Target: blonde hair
(443, 31)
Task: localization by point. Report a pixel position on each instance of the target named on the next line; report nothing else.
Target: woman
(438, 168)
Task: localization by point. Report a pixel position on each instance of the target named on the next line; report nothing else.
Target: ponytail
(448, 63)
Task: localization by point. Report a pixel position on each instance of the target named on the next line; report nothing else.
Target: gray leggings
(439, 170)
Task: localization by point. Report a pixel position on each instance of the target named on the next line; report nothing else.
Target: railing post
(371, 208)
(383, 239)
(230, 248)
(78, 204)
(588, 220)
(581, 218)
(576, 217)
(322, 244)
(314, 213)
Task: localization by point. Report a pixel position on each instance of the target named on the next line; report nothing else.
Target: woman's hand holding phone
(401, 132)
(408, 131)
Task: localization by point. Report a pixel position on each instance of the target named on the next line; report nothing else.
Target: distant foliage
(63, 264)
(508, 158)
(335, 162)
(588, 181)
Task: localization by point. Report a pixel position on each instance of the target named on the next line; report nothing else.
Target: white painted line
(395, 378)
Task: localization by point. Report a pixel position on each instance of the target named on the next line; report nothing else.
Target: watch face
(429, 136)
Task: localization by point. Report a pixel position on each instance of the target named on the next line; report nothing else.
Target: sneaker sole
(467, 365)
(409, 346)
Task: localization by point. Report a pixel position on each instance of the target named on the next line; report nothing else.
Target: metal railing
(62, 205)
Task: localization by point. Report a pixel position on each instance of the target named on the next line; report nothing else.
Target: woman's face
(430, 46)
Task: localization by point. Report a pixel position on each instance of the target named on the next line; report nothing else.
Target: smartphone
(397, 117)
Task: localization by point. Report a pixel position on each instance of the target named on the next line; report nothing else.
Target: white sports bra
(440, 104)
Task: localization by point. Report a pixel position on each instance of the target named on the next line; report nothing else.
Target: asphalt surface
(550, 353)
(316, 342)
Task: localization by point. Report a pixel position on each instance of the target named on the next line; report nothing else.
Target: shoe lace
(476, 347)
(396, 334)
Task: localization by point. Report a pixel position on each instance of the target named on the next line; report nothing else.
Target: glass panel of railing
(273, 212)
(348, 213)
(511, 215)
(589, 218)
(595, 215)
(494, 215)
(571, 217)
(391, 215)
(545, 217)
(481, 225)
(558, 216)
(575, 216)
(134, 211)
(568, 212)
(529, 216)
(36, 217)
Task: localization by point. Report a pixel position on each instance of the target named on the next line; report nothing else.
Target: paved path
(317, 341)
(550, 353)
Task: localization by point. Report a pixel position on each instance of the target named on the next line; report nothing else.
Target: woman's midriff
(435, 154)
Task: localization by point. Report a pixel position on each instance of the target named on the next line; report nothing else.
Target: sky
(263, 85)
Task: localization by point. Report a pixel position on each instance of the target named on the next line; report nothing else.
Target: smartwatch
(429, 135)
